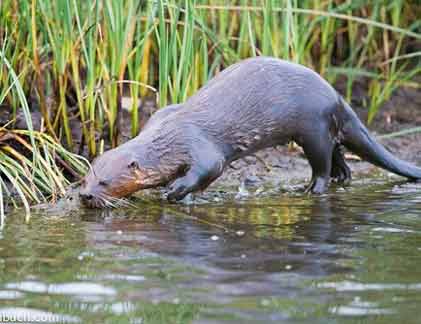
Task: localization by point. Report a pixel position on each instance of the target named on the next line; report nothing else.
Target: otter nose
(86, 196)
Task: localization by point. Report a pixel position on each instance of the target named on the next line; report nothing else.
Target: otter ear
(134, 165)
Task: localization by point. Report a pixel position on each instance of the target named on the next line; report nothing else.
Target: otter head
(116, 174)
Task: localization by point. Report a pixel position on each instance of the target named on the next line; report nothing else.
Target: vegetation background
(67, 65)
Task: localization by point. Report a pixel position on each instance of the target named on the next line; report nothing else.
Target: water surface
(352, 256)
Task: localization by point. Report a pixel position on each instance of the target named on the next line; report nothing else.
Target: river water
(351, 256)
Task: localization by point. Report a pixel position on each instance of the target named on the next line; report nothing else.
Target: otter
(254, 104)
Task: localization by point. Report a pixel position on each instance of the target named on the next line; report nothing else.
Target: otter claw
(176, 195)
(317, 186)
(178, 191)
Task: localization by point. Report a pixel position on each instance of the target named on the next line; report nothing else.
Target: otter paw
(318, 186)
(341, 174)
(178, 190)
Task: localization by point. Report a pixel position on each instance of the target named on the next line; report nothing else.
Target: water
(352, 256)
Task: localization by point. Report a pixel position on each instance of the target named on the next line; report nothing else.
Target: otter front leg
(184, 185)
(198, 177)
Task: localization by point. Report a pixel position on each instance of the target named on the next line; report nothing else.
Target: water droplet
(265, 302)
(176, 301)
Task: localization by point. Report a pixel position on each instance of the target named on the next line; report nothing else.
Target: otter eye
(134, 165)
(104, 182)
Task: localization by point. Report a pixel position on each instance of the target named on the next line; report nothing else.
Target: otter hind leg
(341, 173)
(318, 148)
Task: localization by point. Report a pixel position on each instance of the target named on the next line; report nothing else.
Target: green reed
(32, 164)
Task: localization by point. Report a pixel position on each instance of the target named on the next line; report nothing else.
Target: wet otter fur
(257, 103)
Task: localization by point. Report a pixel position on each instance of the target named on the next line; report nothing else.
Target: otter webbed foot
(318, 185)
(340, 172)
(197, 178)
(181, 187)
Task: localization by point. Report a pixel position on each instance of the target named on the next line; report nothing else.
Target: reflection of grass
(292, 308)
(165, 313)
(263, 218)
(144, 312)
(54, 260)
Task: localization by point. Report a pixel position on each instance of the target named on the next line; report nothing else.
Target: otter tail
(358, 140)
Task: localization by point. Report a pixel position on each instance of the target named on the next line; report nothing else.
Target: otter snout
(87, 197)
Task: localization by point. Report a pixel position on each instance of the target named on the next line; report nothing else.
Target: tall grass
(74, 60)
(32, 164)
(80, 57)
